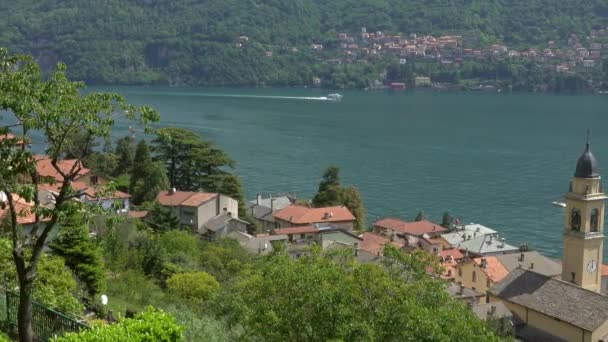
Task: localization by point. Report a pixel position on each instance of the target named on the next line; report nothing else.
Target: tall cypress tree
(81, 254)
(148, 178)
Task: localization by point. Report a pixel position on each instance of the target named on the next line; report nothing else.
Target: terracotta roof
(494, 269)
(454, 253)
(198, 198)
(89, 191)
(295, 230)
(298, 214)
(374, 243)
(46, 169)
(11, 136)
(24, 212)
(604, 270)
(187, 198)
(414, 228)
(137, 214)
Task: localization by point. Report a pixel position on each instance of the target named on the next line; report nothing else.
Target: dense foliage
(54, 287)
(82, 256)
(150, 325)
(194, 42)
(332, 297)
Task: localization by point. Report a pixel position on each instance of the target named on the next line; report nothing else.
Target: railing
(46, 322)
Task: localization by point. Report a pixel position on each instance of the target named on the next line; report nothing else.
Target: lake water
(489, 158)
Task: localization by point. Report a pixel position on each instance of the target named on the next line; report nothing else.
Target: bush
(150, 326)
(193, 286)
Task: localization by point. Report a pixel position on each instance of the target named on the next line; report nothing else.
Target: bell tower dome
(584, 225)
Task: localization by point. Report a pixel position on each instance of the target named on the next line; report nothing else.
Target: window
(474, 277)
(575, 220)
(460, 272)
(302, 236)
(488, 282)
(94, 180)
(594, 219)
(573, 277)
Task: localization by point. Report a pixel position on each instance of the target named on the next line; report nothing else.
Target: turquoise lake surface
(492, 158)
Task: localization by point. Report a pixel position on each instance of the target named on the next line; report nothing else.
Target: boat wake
(320, 98)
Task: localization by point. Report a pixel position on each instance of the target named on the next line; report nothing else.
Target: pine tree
(81, 254)
(420, 216)
(446, 221)
(148, 178)
(125, 152)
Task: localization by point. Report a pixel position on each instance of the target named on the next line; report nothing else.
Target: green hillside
(194, 41)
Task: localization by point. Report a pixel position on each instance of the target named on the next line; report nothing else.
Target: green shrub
(149, 326)
(193, 286)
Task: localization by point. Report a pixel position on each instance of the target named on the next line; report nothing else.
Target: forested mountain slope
(193, 41)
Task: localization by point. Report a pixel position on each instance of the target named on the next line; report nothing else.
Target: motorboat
(334, 97)
(559, 204)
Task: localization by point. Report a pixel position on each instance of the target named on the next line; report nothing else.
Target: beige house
(204, 212)
(483, 272)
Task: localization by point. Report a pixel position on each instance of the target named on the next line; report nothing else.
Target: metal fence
(46, 322)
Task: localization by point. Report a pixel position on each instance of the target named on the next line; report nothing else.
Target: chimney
(258, 199)
(271, 204)
(172, 191)
(521, 257)
(484, 263)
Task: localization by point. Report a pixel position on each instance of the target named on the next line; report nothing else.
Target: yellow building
(584, 225)
(570, 308)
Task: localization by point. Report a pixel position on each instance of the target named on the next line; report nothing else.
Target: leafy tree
(193, 286)
(362, 296)
(351, 198)
(148, 178)
(55, 286)
(125, 152)
(81, 254)
(420, 216)
(195, 164)
(53, 107)
(150, 325)
(447, 220)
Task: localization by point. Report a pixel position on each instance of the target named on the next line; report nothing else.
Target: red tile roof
(137, 214)
(413, 228)
(23, 208)
(495, 270)
(89, 191)
(45, 167)
(374, 243)
(7, 136)
(454, 253)
(298, 214)
(295, 230)
(198, 198)
(187, 198)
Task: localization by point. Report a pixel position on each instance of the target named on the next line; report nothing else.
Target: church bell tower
(584, 225)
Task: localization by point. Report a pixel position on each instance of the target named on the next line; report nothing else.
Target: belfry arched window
(575, 220)
(594, 220)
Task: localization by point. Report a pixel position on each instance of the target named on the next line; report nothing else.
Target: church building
(570, 309)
